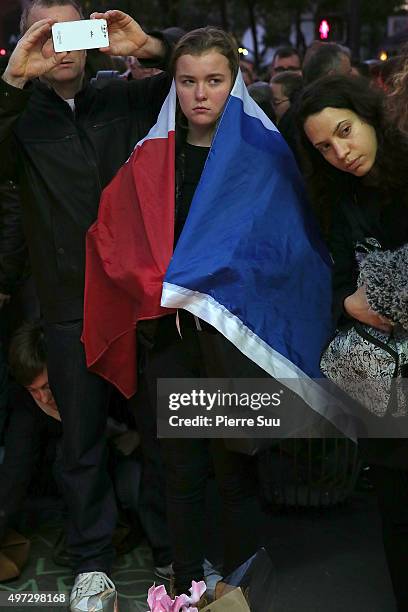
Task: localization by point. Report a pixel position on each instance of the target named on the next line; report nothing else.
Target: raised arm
(126, 37)
(33, 56)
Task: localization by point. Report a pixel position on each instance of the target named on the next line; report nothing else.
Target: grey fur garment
(385, 274)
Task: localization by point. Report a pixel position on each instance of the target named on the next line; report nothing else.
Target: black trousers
(187, 472)
(187, 463)
(82, 399)
(151, 509)
(392, 490)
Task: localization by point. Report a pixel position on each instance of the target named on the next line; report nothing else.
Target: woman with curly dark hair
(356, 165)
(328, 177)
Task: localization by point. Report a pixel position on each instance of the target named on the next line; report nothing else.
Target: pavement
(325, 560)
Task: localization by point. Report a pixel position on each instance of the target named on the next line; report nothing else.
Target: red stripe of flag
(128, 250)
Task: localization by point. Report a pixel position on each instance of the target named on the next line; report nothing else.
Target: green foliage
(377, 11)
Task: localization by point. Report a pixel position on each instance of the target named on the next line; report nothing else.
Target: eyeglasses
(277, 102)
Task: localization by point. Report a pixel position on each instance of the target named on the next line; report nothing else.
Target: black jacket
(62, 161)
(13, 249)
(358, 216)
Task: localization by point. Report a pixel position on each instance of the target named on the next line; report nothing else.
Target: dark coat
(13, 249)
(356, 217)
(62, 161)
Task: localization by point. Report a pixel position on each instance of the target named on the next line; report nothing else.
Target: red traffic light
(3, 52)
(331, 27)
(324, 29)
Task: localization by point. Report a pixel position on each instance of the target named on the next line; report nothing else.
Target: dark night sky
(9, 18)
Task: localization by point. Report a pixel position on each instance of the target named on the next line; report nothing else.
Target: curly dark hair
(398, 96)
(326, 183)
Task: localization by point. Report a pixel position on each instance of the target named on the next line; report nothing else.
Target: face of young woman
(203, 83)
(344, 139)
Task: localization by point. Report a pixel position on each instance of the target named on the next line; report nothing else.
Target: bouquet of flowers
(160, 601)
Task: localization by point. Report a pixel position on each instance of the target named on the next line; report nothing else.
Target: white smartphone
(78, 35)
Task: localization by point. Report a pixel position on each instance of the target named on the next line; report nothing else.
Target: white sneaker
(211, 577)
(93, 591)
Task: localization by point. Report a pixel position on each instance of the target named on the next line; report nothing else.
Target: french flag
(249, 261)
(128, 250)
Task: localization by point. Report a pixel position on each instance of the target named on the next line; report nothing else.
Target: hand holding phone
(33, 55)
(78, 35)
(126, 37)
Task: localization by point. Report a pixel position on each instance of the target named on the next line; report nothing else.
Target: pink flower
(180, 604)
(159, 601)
(196, 590)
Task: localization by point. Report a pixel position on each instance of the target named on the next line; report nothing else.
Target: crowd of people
(63, 139)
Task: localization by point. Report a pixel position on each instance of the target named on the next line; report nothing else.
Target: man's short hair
(260, 92)
(285, 51)
(46, 4)
(325, 59)
(28, 353)
(291, 83)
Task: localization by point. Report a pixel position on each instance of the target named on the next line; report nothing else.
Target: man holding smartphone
(63, 141)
